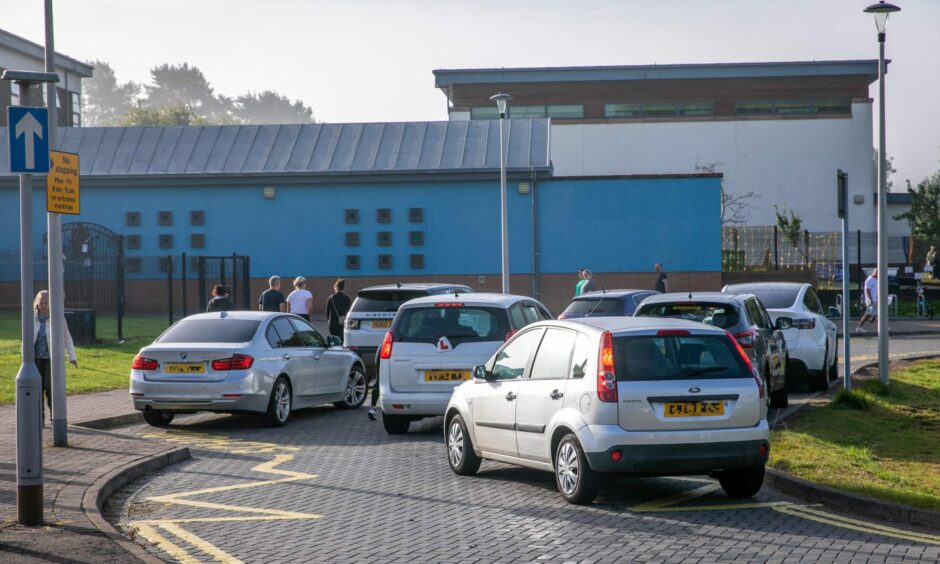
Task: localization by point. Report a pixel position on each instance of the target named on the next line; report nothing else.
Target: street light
(502, 99)
(882, 10)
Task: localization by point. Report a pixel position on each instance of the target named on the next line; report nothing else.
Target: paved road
(332, 487)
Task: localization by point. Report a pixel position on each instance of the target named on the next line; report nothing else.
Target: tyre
(834, 367)
(819, 379)
(158, 418)
(356, 387)
(279, 406)
(576, 481)
(395, 424)
(779, 398)
(463, 461)
(742, 482)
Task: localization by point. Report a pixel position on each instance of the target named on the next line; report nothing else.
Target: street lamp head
(881, 10)
(501, 100)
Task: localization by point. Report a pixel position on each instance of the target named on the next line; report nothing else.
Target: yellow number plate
(446, 375)
(185, 368)
(381, 323)
(694, 409)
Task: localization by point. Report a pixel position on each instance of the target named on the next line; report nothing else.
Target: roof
(450, 77)
(481, 298)
(618, 324)
(412, 286)
(612, 293)
(691, 297)
(899, 198)
(327, 150)
(746, 288)
(236, 314)
(36, 51)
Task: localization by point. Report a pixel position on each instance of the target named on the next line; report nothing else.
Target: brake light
(746, 339)
(386, 352)
(606, 377)
(234, 362)
(509, 334)
(673, 333)
(750, 367)
(141, 363)
(449, 304)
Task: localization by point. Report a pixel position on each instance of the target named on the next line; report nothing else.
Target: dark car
(605, 303)
(741, 315)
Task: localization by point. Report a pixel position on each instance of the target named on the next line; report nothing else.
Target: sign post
(842, 184)
(29, 154)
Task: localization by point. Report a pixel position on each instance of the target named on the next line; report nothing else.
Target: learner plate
(694, 409)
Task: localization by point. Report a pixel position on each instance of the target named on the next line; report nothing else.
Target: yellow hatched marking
(199, 543)
(161, 542)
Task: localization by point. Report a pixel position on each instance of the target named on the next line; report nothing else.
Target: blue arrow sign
(29, 139)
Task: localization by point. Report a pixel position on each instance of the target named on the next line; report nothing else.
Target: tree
(790, 225)
(924, 216)
(269, 107)
(183, 85)
(735, 208)
(145, 116)
(105, 101)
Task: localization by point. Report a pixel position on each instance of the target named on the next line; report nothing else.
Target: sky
(371, 60)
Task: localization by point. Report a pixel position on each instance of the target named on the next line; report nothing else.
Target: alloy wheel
(455, 444)
(355, 388)
(282, 401)
(568, 468)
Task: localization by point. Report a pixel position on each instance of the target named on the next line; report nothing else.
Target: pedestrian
(272, 299)
(220, 300)
(871, 301)
(577, 287)
(933, 261)
(588, 285)
(662, 279)
(41, 346)
(921, 300)
(337, 306)
(300, 301)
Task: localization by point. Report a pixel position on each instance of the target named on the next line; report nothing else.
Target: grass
(876, 440)
(103, 366)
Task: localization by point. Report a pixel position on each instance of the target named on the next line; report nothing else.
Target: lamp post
(502, 99)
(882, 10)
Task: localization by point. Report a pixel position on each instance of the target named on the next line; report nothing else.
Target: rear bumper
(425, 405)
(253, 389)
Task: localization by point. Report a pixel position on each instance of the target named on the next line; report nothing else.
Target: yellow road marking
(201, 544)
(161, 542)
(658, 505)
(857, 525)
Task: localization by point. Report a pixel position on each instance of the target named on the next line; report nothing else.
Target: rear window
(775, 299)
(384, 301)
(462, 324)
(724, 316)
(677, 358)
(211, 331)
(587, 307)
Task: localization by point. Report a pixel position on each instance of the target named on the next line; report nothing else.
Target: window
(621, 110)
(416, 215)
(165, 264)
(568, 111)
(133, 219)
(383, 300)
(659, 109)
(14, 94)
(416, 238)
(697, 109)
(352, 262)
(756, 314)
(531, 313)
(512, 360)
(133, 242)
(76, 109)
(460, 324)
(517, 317)
(271, 335)
(822, 106)
(287, 336)
(166, 241)
(811, 301)
(833, 106)
(352, 216)
(352, 239)
(165, 218)
(484, 112)
(197, 218)
(384, 215)
(385, 262)
(594, 307)
(197, 241)
(774, 299)
(720, 315)
(754, 107)
(554, 355)
(526, 111)
(308, 335)
(794, 107)
(580, 356)
(384, 239)
(677, 358)
(417, 261)
(225, 330)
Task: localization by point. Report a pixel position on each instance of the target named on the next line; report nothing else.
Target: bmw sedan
(244, 362)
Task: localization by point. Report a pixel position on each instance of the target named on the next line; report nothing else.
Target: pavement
(896, 326)
(332, 487)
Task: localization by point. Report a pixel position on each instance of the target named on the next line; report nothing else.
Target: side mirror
(334, 341)
(784, 323)
(481, 373)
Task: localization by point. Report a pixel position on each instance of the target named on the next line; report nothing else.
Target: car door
(776, 345)
(326, 368)
(812, 304)
(494, 399)
(299, 361)
(541, 393)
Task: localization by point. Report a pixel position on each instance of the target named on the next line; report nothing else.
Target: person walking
(933, 261)
(580, 284)
(300, 301)
(41, 346)
(662, 279)
(337, 306)
(220, 300)
(272, 299)
(871, 301)
(588, 285)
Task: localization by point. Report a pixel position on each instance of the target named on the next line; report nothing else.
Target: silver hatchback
(244, 361)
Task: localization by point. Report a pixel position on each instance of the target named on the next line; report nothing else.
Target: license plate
(185, 368)
(382, 324)
(446, 375)
(694, 409)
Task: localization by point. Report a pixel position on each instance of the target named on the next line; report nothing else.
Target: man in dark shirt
(337, 307)
(220, 300)
(272, 299)
(662, 281)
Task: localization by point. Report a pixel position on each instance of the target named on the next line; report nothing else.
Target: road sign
(29, 139)
(62, 193)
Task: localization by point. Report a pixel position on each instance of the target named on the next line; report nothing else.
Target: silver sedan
(244, 362)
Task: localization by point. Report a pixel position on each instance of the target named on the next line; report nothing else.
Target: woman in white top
(41, 344)
(300, 301)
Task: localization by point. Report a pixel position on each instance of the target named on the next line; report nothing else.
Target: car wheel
(395, 424)
(356, 386)
(819, 379)
(742, 482)
(834, 367)
(577, 482)
(463, 461)
(158, 417)
(279, 406)
(779, 398)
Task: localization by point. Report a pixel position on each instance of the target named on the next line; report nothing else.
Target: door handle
(556, 395)
(285, 356)
(510, 396)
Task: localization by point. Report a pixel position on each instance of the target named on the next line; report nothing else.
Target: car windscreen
(775, 299)
(724, 316)
(211, 331)
(460, 324)
(384, 300)
(677, 357)
(588, 307)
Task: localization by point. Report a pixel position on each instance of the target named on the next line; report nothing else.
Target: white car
(640, 396)
(435, 342)
(812, 341)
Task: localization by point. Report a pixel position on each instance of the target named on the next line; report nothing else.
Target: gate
(94, 269)
(233, 272)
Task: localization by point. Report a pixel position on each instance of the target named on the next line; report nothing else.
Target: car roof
(620, 293)
(470, 298)
(719, 297)
(749, 287)
(620, 324)
(252, 315)
(429, 286)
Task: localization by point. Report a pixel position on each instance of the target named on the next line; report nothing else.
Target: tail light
(449, 304)
(750, 366)
(234, 362)
(352, 323)
(509, 334)
(746, 339)
(141, 363)
(672, 333)
(386, 351)
(606, 377)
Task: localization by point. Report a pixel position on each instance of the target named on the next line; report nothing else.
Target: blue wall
(608, 225)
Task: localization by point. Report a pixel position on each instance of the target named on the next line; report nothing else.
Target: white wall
(788, 162)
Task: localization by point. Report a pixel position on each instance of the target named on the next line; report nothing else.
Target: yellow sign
(62, 195)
